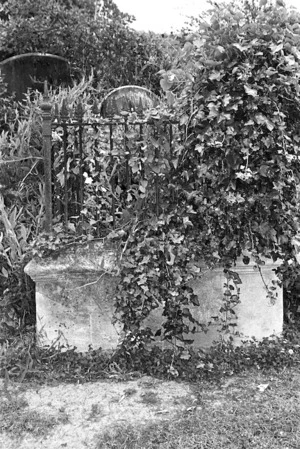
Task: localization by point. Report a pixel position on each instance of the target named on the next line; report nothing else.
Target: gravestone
(30, 70)
(128, 99)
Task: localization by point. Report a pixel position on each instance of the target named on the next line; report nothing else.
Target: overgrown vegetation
(227, 189)
(229, 186)
(22, 361)
(91, 35)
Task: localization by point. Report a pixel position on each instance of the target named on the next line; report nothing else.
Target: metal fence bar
(171, 140)
(80, 168)
(127, 154)
(72, 163)
(64, 117)
(47, 146)
(79, 117)
(113, 176)
(66, 199)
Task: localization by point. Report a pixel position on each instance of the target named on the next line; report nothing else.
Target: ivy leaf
(199, 43)
(263, 120)
(172, 257)
(185, 354)
(170, 98)
(212, 63)
(250, 91)
(4, 272)
(240, 47)
(61, 178)
(187, 222)
(195, 300)
(215, 76)
(186, 311)
(233, 159)
(226, 100)
(184, 119)
(213, 110)
(263, 170)
(166, 83)
(71, 227)
(276, 48)
(143, 186)
(246, 260)
(175, 163)
(155, 143)
(235, 276)
(215, 25)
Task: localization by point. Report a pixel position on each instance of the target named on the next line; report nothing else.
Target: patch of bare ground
(76, 414)
(249, 411)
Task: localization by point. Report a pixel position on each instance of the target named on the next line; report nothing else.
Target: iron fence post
(46, 134)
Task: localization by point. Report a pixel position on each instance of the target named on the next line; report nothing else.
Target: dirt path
(74, 416)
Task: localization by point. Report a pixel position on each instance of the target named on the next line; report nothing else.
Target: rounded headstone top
(128, 99)
(25, 56)
(30, 70)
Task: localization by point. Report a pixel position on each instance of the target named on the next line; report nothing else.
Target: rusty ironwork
(47, 145)
(76, 179)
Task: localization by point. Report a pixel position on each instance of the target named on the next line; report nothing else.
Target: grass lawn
(253, 410)
(239, 398)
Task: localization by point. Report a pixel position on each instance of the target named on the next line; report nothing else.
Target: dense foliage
(236, 88)
(21, 208)
(90, 35)
(228, 183)
(233, 176)
(22, 360)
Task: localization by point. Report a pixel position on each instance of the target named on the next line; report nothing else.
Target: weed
(130, 437)
(17, 420)
(95, 412)
(22, 360)
(130, 391)
(149, 398)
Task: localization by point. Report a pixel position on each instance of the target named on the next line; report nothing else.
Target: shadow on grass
(17, 420)
(239, 415)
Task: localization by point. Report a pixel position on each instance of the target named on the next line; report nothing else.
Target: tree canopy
(91, 35)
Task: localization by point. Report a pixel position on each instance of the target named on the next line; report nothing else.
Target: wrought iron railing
(98, 170)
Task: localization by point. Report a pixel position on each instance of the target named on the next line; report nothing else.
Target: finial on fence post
(46, 134)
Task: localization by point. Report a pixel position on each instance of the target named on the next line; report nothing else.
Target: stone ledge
(80, 260)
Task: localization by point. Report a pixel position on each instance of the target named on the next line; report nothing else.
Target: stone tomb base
(74, 297)
(75, 301)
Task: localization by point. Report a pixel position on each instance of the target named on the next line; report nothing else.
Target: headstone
(128, 99)
(30, 70)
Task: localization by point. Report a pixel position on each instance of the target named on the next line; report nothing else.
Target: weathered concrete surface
(256, 316)
(74, 297)
(75, 294)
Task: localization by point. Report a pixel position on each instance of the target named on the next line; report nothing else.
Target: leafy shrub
(236, 94)
(22, 360)
(90, 35)
(227, 183)
(230, 189)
